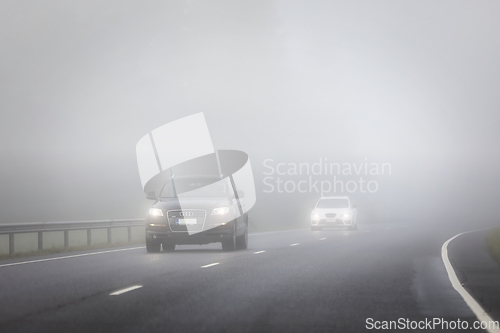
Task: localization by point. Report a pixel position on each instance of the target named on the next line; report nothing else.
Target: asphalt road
(477, 270)
(288, 281)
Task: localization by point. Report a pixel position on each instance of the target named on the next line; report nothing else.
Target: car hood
(332, 210)
(192, 203)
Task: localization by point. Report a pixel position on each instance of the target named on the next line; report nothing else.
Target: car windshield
(333, 203)
(195, 187)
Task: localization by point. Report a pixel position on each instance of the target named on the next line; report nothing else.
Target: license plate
(186, 221)
(330, 220)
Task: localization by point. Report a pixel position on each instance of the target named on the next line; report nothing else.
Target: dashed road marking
(126, 290)
(210, 265)
(322, 238)
(294, 244)
(258, 252)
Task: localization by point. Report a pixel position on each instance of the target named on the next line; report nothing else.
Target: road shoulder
(477, 270)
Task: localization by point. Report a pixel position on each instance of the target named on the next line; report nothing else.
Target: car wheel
(168, 246)
(153, 245)
(242, 241)
(229, 244)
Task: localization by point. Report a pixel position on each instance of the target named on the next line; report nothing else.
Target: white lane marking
(471, 302)
(123, 291)
(66, 257)
(210, 265)
(322, 238)
(345, 234)
(294, 244)
(259, 252)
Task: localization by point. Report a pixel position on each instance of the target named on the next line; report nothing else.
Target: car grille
(330, 215)
(177, 220)
(335, 222)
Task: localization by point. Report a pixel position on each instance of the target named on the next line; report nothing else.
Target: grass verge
(67, 250)
(493, 242)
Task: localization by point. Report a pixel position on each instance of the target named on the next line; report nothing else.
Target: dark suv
(196, 210)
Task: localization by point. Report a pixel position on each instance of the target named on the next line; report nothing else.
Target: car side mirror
(151, 195)
(354, 206)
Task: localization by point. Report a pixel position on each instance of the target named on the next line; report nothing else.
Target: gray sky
(412, 83)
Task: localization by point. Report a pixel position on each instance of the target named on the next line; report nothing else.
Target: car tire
(242, 241)
(229, 244)
(152, 245)
(168, 246)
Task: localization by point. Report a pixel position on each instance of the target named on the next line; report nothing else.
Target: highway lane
(295, 281)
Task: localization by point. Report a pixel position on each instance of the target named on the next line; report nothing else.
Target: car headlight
(346, 216)
(220, 211)
(315, 215)
(155, 212)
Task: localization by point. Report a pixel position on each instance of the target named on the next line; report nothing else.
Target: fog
(413, 84)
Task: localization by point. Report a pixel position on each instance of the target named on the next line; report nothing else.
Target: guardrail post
(109, 235)
(89, 237)
(40, 240)
(66, 240)
(129, 229)
(11, 243)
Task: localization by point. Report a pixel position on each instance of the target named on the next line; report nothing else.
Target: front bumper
(331, 223)
(213, 235)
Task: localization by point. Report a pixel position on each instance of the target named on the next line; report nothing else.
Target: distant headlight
(346, 216)
(155, 212)
(220, 211)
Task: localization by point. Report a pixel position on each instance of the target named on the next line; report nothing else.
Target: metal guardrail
(41, 227)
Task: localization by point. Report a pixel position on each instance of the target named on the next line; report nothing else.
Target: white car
(334, 212)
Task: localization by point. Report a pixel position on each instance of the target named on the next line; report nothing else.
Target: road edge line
(70, 256)
(455, 282)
